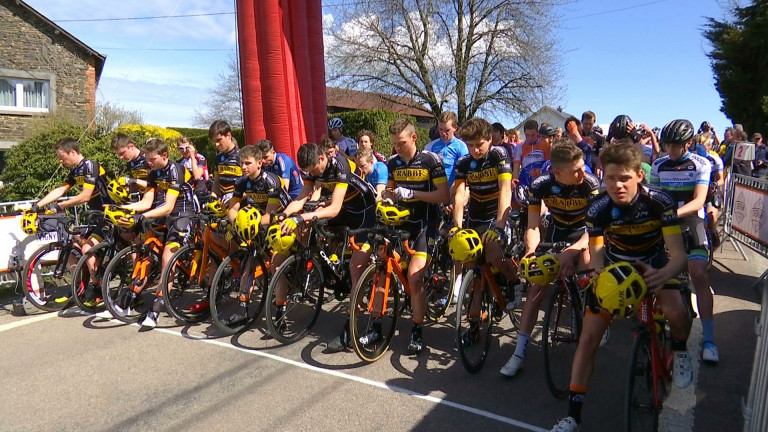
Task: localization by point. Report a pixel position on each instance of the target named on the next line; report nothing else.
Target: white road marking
(678, 412)
(24, 322)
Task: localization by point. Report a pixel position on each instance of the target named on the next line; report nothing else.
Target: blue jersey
(379, 175)
(680, 177)
(448, 153)
(289, 174)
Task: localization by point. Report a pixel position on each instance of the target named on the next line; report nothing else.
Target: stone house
(341, 100)
(43, 69)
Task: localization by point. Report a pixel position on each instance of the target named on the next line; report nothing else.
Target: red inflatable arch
(282, 71)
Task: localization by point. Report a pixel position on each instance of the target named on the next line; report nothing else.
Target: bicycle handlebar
(554, 247)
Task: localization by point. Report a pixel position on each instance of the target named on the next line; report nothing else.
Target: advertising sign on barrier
(750, 212)
(11, 236)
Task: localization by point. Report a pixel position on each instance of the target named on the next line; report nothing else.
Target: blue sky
(647, 61)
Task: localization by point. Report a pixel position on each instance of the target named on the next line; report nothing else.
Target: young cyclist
(686, 176)
(417, 180)
(374, 171)
(195, 163)
(88, 175)
(346, 145)
(530, 155)
(169, 197)
(448, 147)
(704, 143)
(138, 169)
(630, 223)
(566, 191)
(349, 202)
(228, 170)
(283, 166)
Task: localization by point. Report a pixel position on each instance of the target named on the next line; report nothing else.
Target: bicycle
(184, 285)
(439, 277)
(376, 304)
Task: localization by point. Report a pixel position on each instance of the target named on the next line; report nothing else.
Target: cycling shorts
(695, 236)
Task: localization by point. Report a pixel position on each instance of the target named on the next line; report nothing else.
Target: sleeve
(391, 165)
(518, 155)
(655, 180)
(504, 164)
(278, 195)
(151, 182)
(667, 209)
(460, 174)
(70, 180)
(283, 167)
(535, 196)
(90, 174)
(343, 172)
(437, 172)
(594, 222)
(382, 174)
(239, 189)
(175, 179)
(703, 172)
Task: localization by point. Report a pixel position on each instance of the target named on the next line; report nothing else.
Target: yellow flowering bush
(142, 132)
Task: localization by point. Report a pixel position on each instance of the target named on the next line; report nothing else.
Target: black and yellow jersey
(89, 174)
(359, 194)
(228, 169)
(633, 232)
(173, 179)
(138, 168)
(566, 203)
(261, 191)
(482, 178)
(422, 173)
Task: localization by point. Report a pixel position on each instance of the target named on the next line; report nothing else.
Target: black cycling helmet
(547, 130)
(677, 132)
(618, 128)
(705, 127)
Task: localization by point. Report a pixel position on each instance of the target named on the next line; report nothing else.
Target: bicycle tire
(471, 335)
(186, 300)
(362, 321)
(41, 289)
(82, 271)
(304, 299)
(439, 283)
(225, 296)
(560, 334)
(641, 412)
(116, 288)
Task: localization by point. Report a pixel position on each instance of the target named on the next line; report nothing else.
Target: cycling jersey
(359, 194)
(679, 177)
(448, 153)
(289, 174)
(229, 171)
(138, 167)
(347, 145)
(531, 158)
(89, 174)
(173, 179)
(422, 173)
(263, 190)
(566, 203)
(199, 185)
(482, 178)
(635, 231)
(378, 176)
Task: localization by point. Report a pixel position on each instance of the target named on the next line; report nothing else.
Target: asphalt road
(67, 371)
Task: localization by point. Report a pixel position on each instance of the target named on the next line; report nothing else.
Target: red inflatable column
(253, 114)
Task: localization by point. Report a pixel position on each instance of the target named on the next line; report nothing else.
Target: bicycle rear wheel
(438, 282)
(304, 299)
(44, 289)
(371, 330)
(87, 300)
(641, 410)
(227, 312)
(473, 321)
(561, 332)
(185, 293)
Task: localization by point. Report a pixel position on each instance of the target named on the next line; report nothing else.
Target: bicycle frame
(661, 361)
(392, 263)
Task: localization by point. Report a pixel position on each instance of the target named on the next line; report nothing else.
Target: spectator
(514, 137)
(365, 139)
(558, 133)
(346, 145)
(448, 147)
(573, 128)
(195, 163)
(592, 134)
(743, 167)
(761, 156)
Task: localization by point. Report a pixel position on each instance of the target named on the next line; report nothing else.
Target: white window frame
(20, 109)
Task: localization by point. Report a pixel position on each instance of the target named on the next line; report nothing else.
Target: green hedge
(378, 122)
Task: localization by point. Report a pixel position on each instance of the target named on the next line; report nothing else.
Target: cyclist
(228, 170)
(686, 176)
(566, 191)
(365, 139)
(487, 174)
(195, 163)
(126, 150)
(530, 155)
(704, 143)
(573, 128)
(88, 175)
(283, 166)
(348, 202)
(630, 223)
(258, 187)
(448, 147)
(417, 180)
(346, 145)
(374, 172)
(169, 197)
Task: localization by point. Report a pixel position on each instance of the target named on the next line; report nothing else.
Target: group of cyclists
(608, 198)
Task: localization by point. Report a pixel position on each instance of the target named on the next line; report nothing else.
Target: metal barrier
(756, 408)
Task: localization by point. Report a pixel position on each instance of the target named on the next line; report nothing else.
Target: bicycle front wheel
(473, 321)
(229, 313)
(561, 332)
(438, 283)
(184, 290)
(45, 288)
(373, 313)
(87, 297)
(302, 281)
(641, 405)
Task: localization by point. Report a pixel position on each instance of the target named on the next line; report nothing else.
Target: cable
(145, 18)
(164, 49)
(617, 10)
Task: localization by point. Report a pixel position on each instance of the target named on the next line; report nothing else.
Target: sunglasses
(182, 148)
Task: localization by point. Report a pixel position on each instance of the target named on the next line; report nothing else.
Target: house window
(25, 95)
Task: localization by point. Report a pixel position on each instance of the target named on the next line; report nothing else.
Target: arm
(697, 203)
(296, 205)
(379, 189)
(596, 253)
(145, 203)
(272, 207)
(53, 195)
(83, 197)
(516, 169)
(459, 188)
(333, 209)
(197, 171)
(532, 234)
(164, 210)
(216, 189)
(234, 207)
(505, 198)
(438, 196)
(656, 278)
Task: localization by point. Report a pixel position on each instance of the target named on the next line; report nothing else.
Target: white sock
(522, 344)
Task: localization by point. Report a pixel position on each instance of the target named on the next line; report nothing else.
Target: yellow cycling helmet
(217, 209)
(390, 214)
(619, 287)
(114, 213)
(465, 246)
(116, 192)
(540, 270)
(29, 222)
(247, 223)
(279, 242)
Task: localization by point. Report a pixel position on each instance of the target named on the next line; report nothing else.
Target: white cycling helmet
(335, 123)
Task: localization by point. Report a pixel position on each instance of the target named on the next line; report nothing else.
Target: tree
(224, 99)
(739, 59)
(110, 117)
(469, 55)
